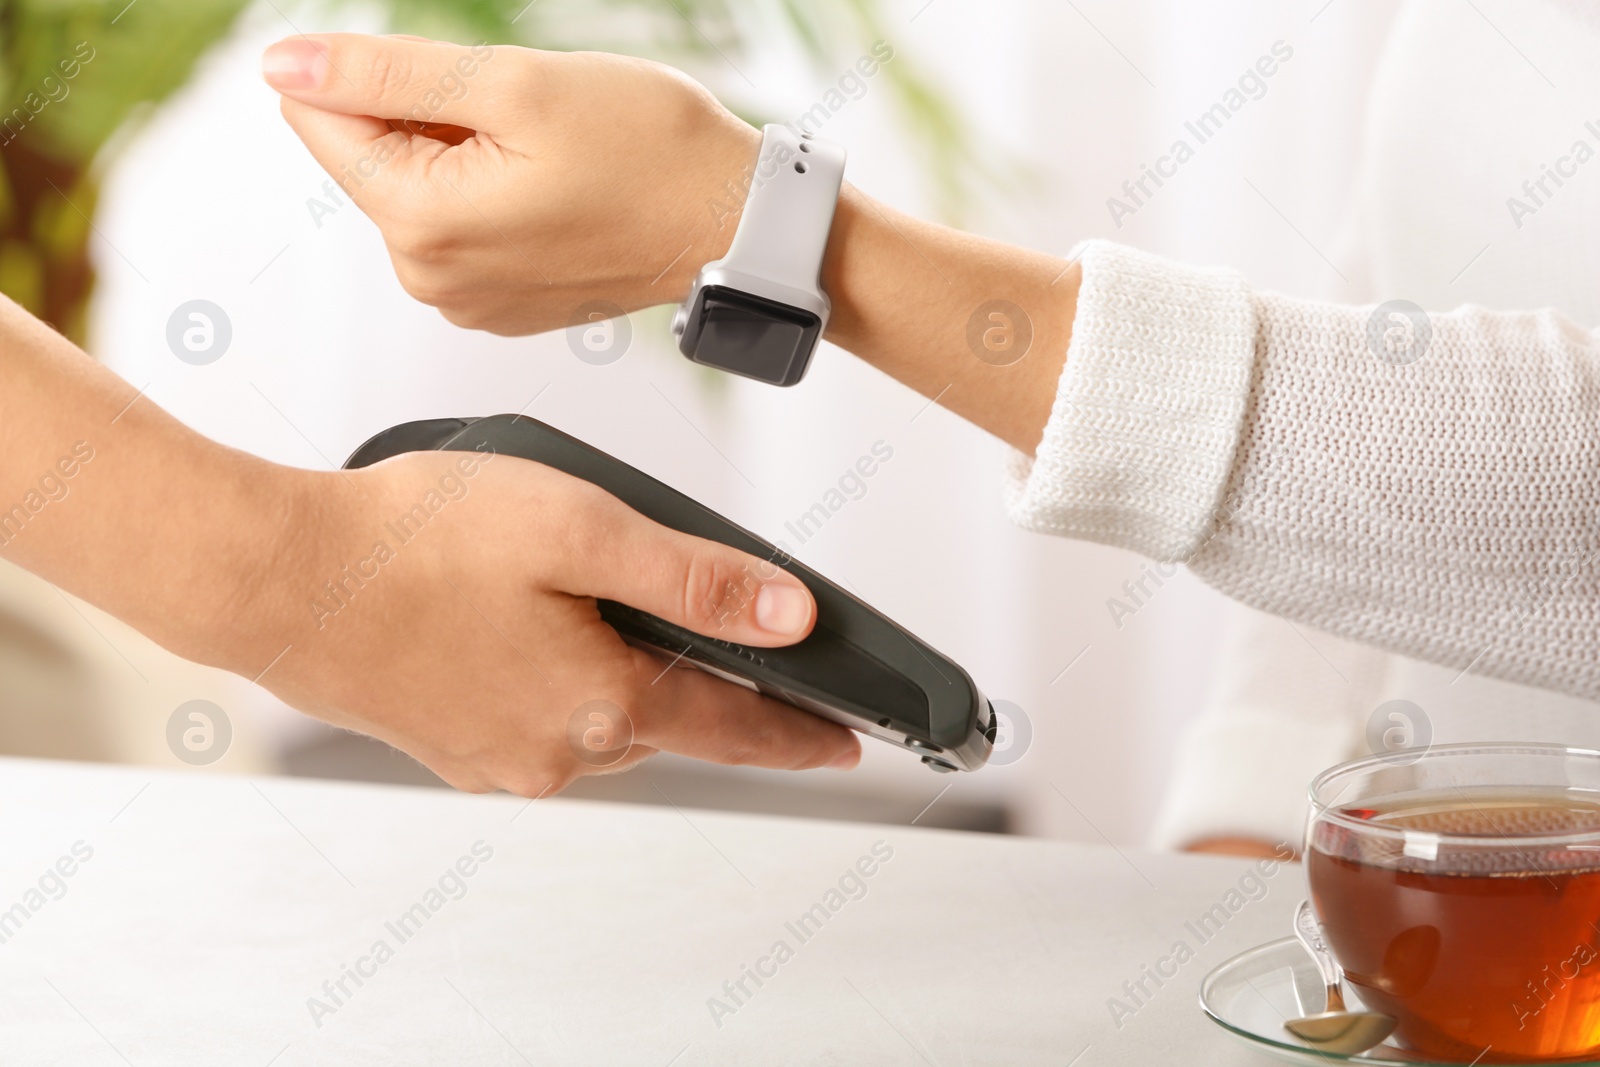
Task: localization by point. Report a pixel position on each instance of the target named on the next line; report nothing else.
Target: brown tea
(1485, 948)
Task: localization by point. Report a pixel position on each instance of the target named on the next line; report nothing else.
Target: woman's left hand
(514, 186)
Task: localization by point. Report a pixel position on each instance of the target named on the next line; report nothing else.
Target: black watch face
(744, 334)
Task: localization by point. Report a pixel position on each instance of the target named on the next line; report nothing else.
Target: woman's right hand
(512, 186)
(445, 602)
(442, 601)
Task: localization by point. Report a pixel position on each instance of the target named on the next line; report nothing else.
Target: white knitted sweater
(1446, 508)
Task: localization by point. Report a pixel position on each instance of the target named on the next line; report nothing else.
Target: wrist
(239, 558)
(110, 498)
(714, 206)
(848, 253)
(906, 295)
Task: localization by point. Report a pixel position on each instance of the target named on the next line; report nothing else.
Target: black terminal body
(857, 667)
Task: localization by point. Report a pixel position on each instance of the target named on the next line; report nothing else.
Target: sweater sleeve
(1440, 498)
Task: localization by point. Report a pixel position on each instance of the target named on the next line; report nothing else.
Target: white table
(212, 908)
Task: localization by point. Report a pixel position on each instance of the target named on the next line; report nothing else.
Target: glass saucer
(1252, 994)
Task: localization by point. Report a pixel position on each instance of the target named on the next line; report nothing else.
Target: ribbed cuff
(1245, 774)
(1147, 415)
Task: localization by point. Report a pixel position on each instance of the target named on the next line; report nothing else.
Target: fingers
(358, 152)
(701, 585)
(400, 78)
(694, 714)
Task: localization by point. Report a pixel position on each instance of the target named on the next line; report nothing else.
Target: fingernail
(294, 64)
(782, 609)
(846, 760)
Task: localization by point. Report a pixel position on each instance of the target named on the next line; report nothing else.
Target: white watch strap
(788, 212)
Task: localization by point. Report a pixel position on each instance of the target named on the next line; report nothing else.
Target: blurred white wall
(208, 200)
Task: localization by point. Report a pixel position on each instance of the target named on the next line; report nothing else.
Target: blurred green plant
(73, 73)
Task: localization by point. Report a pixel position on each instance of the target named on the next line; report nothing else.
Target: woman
(1451, 100)
(1426, 484)
(1167, 409)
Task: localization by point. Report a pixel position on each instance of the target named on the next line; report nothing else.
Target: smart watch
(759, 311)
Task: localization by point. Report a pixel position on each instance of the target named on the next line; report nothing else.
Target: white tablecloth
(211, 920)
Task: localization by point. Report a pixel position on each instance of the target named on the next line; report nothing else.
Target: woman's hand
(512, 186)
(445, 602)
(441, 601)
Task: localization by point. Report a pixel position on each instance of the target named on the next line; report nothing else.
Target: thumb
(694, 583)
(399, 78)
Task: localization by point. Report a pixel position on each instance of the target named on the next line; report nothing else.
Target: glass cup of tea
(1459, 888)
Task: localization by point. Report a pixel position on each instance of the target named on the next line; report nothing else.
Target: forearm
(905, 293)
(1206, 423)
(910, 296)
(108, 497)
(1446, 508)
(1439, 503)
